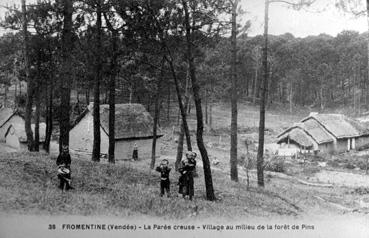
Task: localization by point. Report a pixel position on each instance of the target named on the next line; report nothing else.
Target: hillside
(28, 184)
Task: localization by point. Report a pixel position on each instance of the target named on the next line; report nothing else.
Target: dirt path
(339, 178)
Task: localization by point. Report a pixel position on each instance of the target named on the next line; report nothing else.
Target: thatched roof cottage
(9, 117)
(326, 133)
(16, 136)
(133, 125)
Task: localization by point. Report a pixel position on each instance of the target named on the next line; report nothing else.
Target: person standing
(186, 181)
(64, 173)
(135, 152)
(164, 171)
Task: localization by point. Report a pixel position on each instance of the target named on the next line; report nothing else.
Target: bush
(350, 166)
(276, 165)
(248, 162)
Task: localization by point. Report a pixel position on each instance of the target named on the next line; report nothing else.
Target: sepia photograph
(184, 118)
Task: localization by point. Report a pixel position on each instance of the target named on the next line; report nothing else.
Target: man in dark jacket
(164, 171)
(64, 174)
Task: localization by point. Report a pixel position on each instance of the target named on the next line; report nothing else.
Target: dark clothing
(64, 158)
(135, 154)
(164, 179)
(64, 181)
(164, 172)
(164, 186)
(186, 182)
(64, 161)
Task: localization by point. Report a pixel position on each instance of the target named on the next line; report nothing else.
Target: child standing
(64, 173)
(164, 171)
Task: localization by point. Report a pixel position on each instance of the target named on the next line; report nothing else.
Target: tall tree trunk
(168, 104)
(29, 98)
(255, 83)
(290, 96)
(196, 94)
(37, 120)
(180, 102)
(87, 96)
(367, 79)
(321, 97)
(182, 131)
(65, 73)
(38, 103)
(49, 119)
(113, 73)
(260, 155)
(210, 115)
(98, 73)
(206, 106)
(234, 96)
(5, 95)
(157, 113)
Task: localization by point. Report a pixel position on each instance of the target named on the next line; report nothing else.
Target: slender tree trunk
(321, 97)
(5, 95)
(196, 94)
(37, 121)
(168, 104)
(182, 132)
(96, 109)
(180, 102)
(206, 106)
(65, 72)
(88, 96)
(29, 98)
(367, 79)
(234, 96)
(49, 119)
(15, 94)
(260, 155)
(291, 97)
(38, 104)
(113, 73)
(210, 115)
(255, 83)
(157, 113)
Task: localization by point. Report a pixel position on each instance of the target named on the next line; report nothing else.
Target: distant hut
(9, 117)
(16, 136)
(326, 133)
(133, 125)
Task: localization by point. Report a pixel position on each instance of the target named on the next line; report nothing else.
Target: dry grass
(28, 184)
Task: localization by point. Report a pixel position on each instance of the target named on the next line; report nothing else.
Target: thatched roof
(317, 132)
(298, 136)
(20, 132)
(339, 125)
(323, 128)
(310, 128)
(5, 115)
(131, 121)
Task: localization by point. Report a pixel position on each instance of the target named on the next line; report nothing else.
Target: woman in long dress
(186, 182)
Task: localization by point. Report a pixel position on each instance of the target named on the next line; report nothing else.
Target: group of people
(185, 182)
(186, 169)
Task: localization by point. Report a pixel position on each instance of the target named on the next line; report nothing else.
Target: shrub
(276, 165)
(350, 166)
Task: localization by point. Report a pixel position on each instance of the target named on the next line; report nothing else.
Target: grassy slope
(28, 183)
